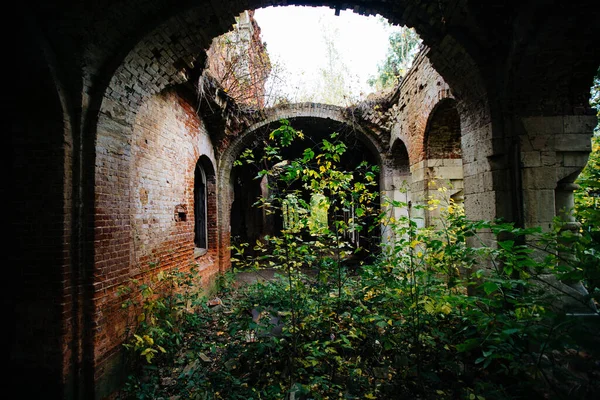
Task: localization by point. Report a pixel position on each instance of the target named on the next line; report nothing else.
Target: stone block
(468, 150)
(474, 183)
(538, 208)
(453, 162)
(487, 147)
(574, 142)
(539, 178)
(469, 169)
(418, 174)
(580, 123)
(435, 162)
(574, 159)
(495, 180)
(548, 158)
(449, 172)
(544, 125)
(418, 186)
(480, 205)
(543, 142)
(531, 159)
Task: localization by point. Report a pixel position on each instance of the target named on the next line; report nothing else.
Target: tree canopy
(404, 45)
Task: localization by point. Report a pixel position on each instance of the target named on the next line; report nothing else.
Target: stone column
(447, 174)
(418, 191)
(395, 186)
(554, 150)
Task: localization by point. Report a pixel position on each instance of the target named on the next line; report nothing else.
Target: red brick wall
(420, 92)
(143, 186)
(442, 136)
(239, 60)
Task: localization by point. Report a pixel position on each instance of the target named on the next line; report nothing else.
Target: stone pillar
(554, 150)
(565, 203)
(446, 174)
(395, 188)
(418, 191)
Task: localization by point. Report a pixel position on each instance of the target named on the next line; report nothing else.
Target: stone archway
(305, 116)
(443, 164)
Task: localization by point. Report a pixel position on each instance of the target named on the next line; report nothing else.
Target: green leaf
(490, 287)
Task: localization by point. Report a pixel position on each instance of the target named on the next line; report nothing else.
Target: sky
(294, 37)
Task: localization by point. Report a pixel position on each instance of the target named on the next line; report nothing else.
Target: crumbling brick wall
(239, 61)
(168, 140)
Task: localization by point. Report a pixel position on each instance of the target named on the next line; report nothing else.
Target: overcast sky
(294, 36)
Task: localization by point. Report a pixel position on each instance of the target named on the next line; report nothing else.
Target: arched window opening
(401, 180)
(200, 201)
(442, 135)
(204, 205)
(443, 165)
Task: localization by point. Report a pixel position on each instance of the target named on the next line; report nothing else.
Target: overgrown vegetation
(395, 323)
(587, 200)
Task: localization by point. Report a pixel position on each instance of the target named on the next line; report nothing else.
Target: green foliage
(428, 316)
(587, 204)
(403, 47)
(162, 301)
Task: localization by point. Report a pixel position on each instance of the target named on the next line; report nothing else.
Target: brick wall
(152, 185)
(420, 92)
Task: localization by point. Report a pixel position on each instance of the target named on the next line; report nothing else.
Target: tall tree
(404, 45)
(333, 81)
(334, 86)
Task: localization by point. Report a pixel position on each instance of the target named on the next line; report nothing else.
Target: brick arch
(317, 111)
(441, 138)
(272, 116)
(167, 49)
(422, 124)
(270, 120)
(400, 159)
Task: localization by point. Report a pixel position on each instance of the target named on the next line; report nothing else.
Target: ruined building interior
(118, 161)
